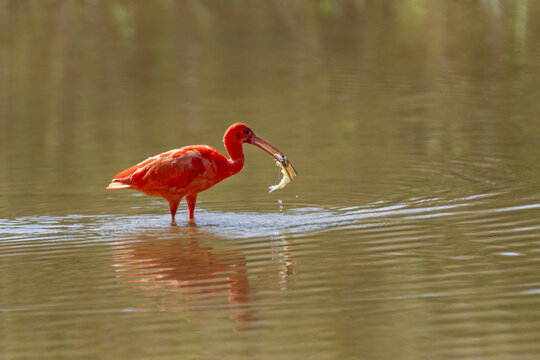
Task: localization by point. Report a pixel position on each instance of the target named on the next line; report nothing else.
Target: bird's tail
(116, 185)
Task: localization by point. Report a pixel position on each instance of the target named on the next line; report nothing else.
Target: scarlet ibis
(187, 171)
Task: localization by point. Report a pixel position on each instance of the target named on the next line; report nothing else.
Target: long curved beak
(278, 155)
(260, 143)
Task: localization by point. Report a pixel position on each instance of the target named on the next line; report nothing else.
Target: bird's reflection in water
(180, 274)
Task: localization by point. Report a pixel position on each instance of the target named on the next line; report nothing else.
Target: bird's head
(243, 134)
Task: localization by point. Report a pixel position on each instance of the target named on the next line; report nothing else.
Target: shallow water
(411, 232)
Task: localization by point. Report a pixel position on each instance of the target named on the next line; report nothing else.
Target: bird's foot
(191, 222)
(173, 223)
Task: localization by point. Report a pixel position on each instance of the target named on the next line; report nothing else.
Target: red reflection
(182, 275)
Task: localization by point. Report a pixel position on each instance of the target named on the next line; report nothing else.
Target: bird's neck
(236, 154)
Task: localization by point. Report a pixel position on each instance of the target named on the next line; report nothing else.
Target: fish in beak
(288, 170)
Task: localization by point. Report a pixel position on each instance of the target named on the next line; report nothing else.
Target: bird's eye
(247, 132)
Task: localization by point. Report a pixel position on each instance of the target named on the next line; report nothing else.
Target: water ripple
(299, 220)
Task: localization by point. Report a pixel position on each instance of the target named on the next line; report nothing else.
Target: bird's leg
(173, 205)
(191, 200)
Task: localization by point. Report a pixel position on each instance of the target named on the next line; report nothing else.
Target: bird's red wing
(126, 175)
(184, 170)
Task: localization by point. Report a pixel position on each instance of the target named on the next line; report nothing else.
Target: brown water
(411, 232)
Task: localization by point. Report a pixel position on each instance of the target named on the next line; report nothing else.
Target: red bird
(187, 171)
